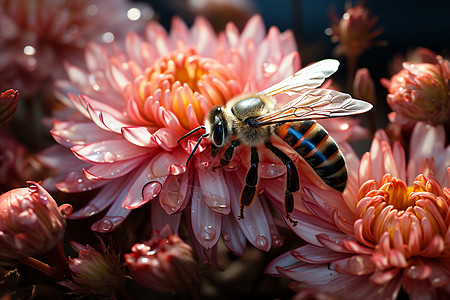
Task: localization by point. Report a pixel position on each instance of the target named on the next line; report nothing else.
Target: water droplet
(171, 201)
(208, 233)
(109, 157)
(151, 190)
(90, 210)
(261, 241)
(216, 203)
(277, 240)
(226, 237)
(105, 225)
(270, 171)
(269, 69)
(438, 281)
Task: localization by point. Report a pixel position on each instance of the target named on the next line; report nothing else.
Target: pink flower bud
(353, 31)
(8, 105)
(164, 263)
(95, 272)
(363, 86)
(30, 223)
(420, 92)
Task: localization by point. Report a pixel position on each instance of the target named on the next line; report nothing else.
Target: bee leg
(251, 181)
(292, 181)
(227, 155)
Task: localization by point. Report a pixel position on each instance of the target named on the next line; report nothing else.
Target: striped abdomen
(318, 148)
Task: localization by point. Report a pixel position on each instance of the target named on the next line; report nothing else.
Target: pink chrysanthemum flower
(31, 223)
(389, 230)
(36, 36)
(420, 92)
(140, 99)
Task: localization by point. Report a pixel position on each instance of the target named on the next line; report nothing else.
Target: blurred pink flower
(8, 105)
(95, 272)
(140, 99)
(353, 31)
(420, 92)
(389, 230)
(164, 263)
(30, 223)
(36, 36)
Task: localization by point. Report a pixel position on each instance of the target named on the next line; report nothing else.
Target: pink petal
(109, 151)
(78, 133)
(232, 235)
(107, 195)
(316, 255)
(143, 189)
(175, 193)
(206, 224)
(426, 142)
(355, 265)
(75, 181)
(108, 171)
(214, 190)
(381, 277)
(254, 224)
(159, 218)
(139, 136)
(285, 260)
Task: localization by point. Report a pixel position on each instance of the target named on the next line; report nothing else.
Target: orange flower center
(407, 219)
(185, 83)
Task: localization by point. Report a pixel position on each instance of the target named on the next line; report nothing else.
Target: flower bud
(95, 272)
(363, 86)
(164, 263)
(30, 223)
(420, 92)
(353, 31)
(8, 105)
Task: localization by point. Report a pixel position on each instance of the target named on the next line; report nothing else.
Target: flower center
(185, 83)
(401, 217)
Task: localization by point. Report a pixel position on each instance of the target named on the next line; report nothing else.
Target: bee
(251, 119)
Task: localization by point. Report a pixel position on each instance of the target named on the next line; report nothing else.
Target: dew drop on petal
(106, 225)
(269, 69)
(261, 241)
(226, 237)
(277, 240)
(270, 171)
(208, 233)
(134, 14)
(109, 157)
(90, 210)
(151, 190)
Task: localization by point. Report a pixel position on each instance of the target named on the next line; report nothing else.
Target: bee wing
(315, 104)
(311, 76)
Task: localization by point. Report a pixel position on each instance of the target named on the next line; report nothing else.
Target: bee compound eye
(218, 135)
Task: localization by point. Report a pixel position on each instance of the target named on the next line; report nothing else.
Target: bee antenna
(196, 145)
(191, 132)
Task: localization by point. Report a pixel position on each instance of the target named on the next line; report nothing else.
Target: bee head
(216, 126)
